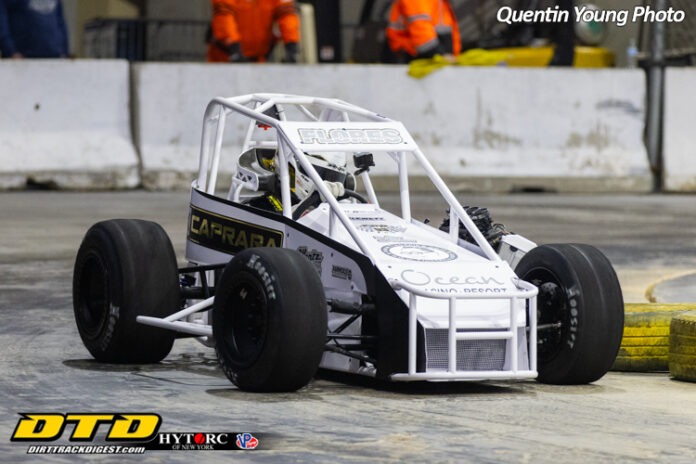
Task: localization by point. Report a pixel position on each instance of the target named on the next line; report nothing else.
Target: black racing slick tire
(125, 268)
(269, 320)
(580, 312)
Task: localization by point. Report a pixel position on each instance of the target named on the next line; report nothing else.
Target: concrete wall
(679, 146)
(66, 123)
(491, 129)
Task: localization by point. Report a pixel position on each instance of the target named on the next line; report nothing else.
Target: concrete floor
(624, 417)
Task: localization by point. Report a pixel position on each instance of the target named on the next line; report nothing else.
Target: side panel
(392, 321)
(228, 235)
(218, 228)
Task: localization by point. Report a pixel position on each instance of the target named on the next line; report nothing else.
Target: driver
(331, 167)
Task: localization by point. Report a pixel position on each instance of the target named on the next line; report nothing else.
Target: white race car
(291, 269)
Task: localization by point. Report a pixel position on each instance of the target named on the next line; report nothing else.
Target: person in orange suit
(242, 30)
(422, 29)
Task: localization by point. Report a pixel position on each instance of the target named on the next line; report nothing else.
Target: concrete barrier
(485, 129)
(66, 124)
(679, 141)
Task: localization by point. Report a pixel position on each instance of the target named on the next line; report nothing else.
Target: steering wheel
(314, 200)
(353, 194)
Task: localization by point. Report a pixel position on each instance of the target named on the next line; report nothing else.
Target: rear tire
(125, 268)
(269, 320)
(580, 312)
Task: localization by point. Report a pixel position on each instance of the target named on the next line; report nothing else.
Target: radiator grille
(472, 355)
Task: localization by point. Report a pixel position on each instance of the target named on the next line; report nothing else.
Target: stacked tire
(645, 344)
(682, 347)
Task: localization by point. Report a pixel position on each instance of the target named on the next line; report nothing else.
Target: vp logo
(122, 427)
(247, 441)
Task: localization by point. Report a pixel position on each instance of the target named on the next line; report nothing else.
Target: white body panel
(428, 261)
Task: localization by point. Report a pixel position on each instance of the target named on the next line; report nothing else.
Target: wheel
(682, 347)
(645, 342)
(579, 312)
(269, 320)
(125, 268)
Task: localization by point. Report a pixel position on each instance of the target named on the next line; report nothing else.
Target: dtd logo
(50, 427)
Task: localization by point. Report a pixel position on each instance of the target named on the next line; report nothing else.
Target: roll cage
(323, 125)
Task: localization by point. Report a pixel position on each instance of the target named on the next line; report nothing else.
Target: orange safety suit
(416, 26)
(249, 23)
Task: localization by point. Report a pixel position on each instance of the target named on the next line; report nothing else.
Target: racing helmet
(259, 164)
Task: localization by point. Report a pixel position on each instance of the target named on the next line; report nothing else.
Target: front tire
(269, 320)
(580, 312)
(125, 268)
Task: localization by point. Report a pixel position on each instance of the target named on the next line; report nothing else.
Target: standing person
(242, 30)
(422, 29)
(33, 29)
(564, 36)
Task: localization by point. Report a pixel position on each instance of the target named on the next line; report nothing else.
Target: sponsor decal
(247, 441)
(229, 235)
(453, 284)
(381, 228)
(266, 278)
(366, 218)
(574, 323)
(350, 136)
(119, 433)
(418, 252)
(121, 427)
(392, 239)
(204, 441)
(341, 272)
(314, 256)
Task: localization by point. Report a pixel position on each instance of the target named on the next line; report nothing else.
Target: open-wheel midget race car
(290, 268)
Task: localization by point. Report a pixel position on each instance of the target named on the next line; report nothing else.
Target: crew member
(242, 30)
(33, 29)
(422, 29)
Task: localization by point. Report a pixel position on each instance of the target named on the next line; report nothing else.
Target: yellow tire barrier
(646, 336)
(682, 347)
